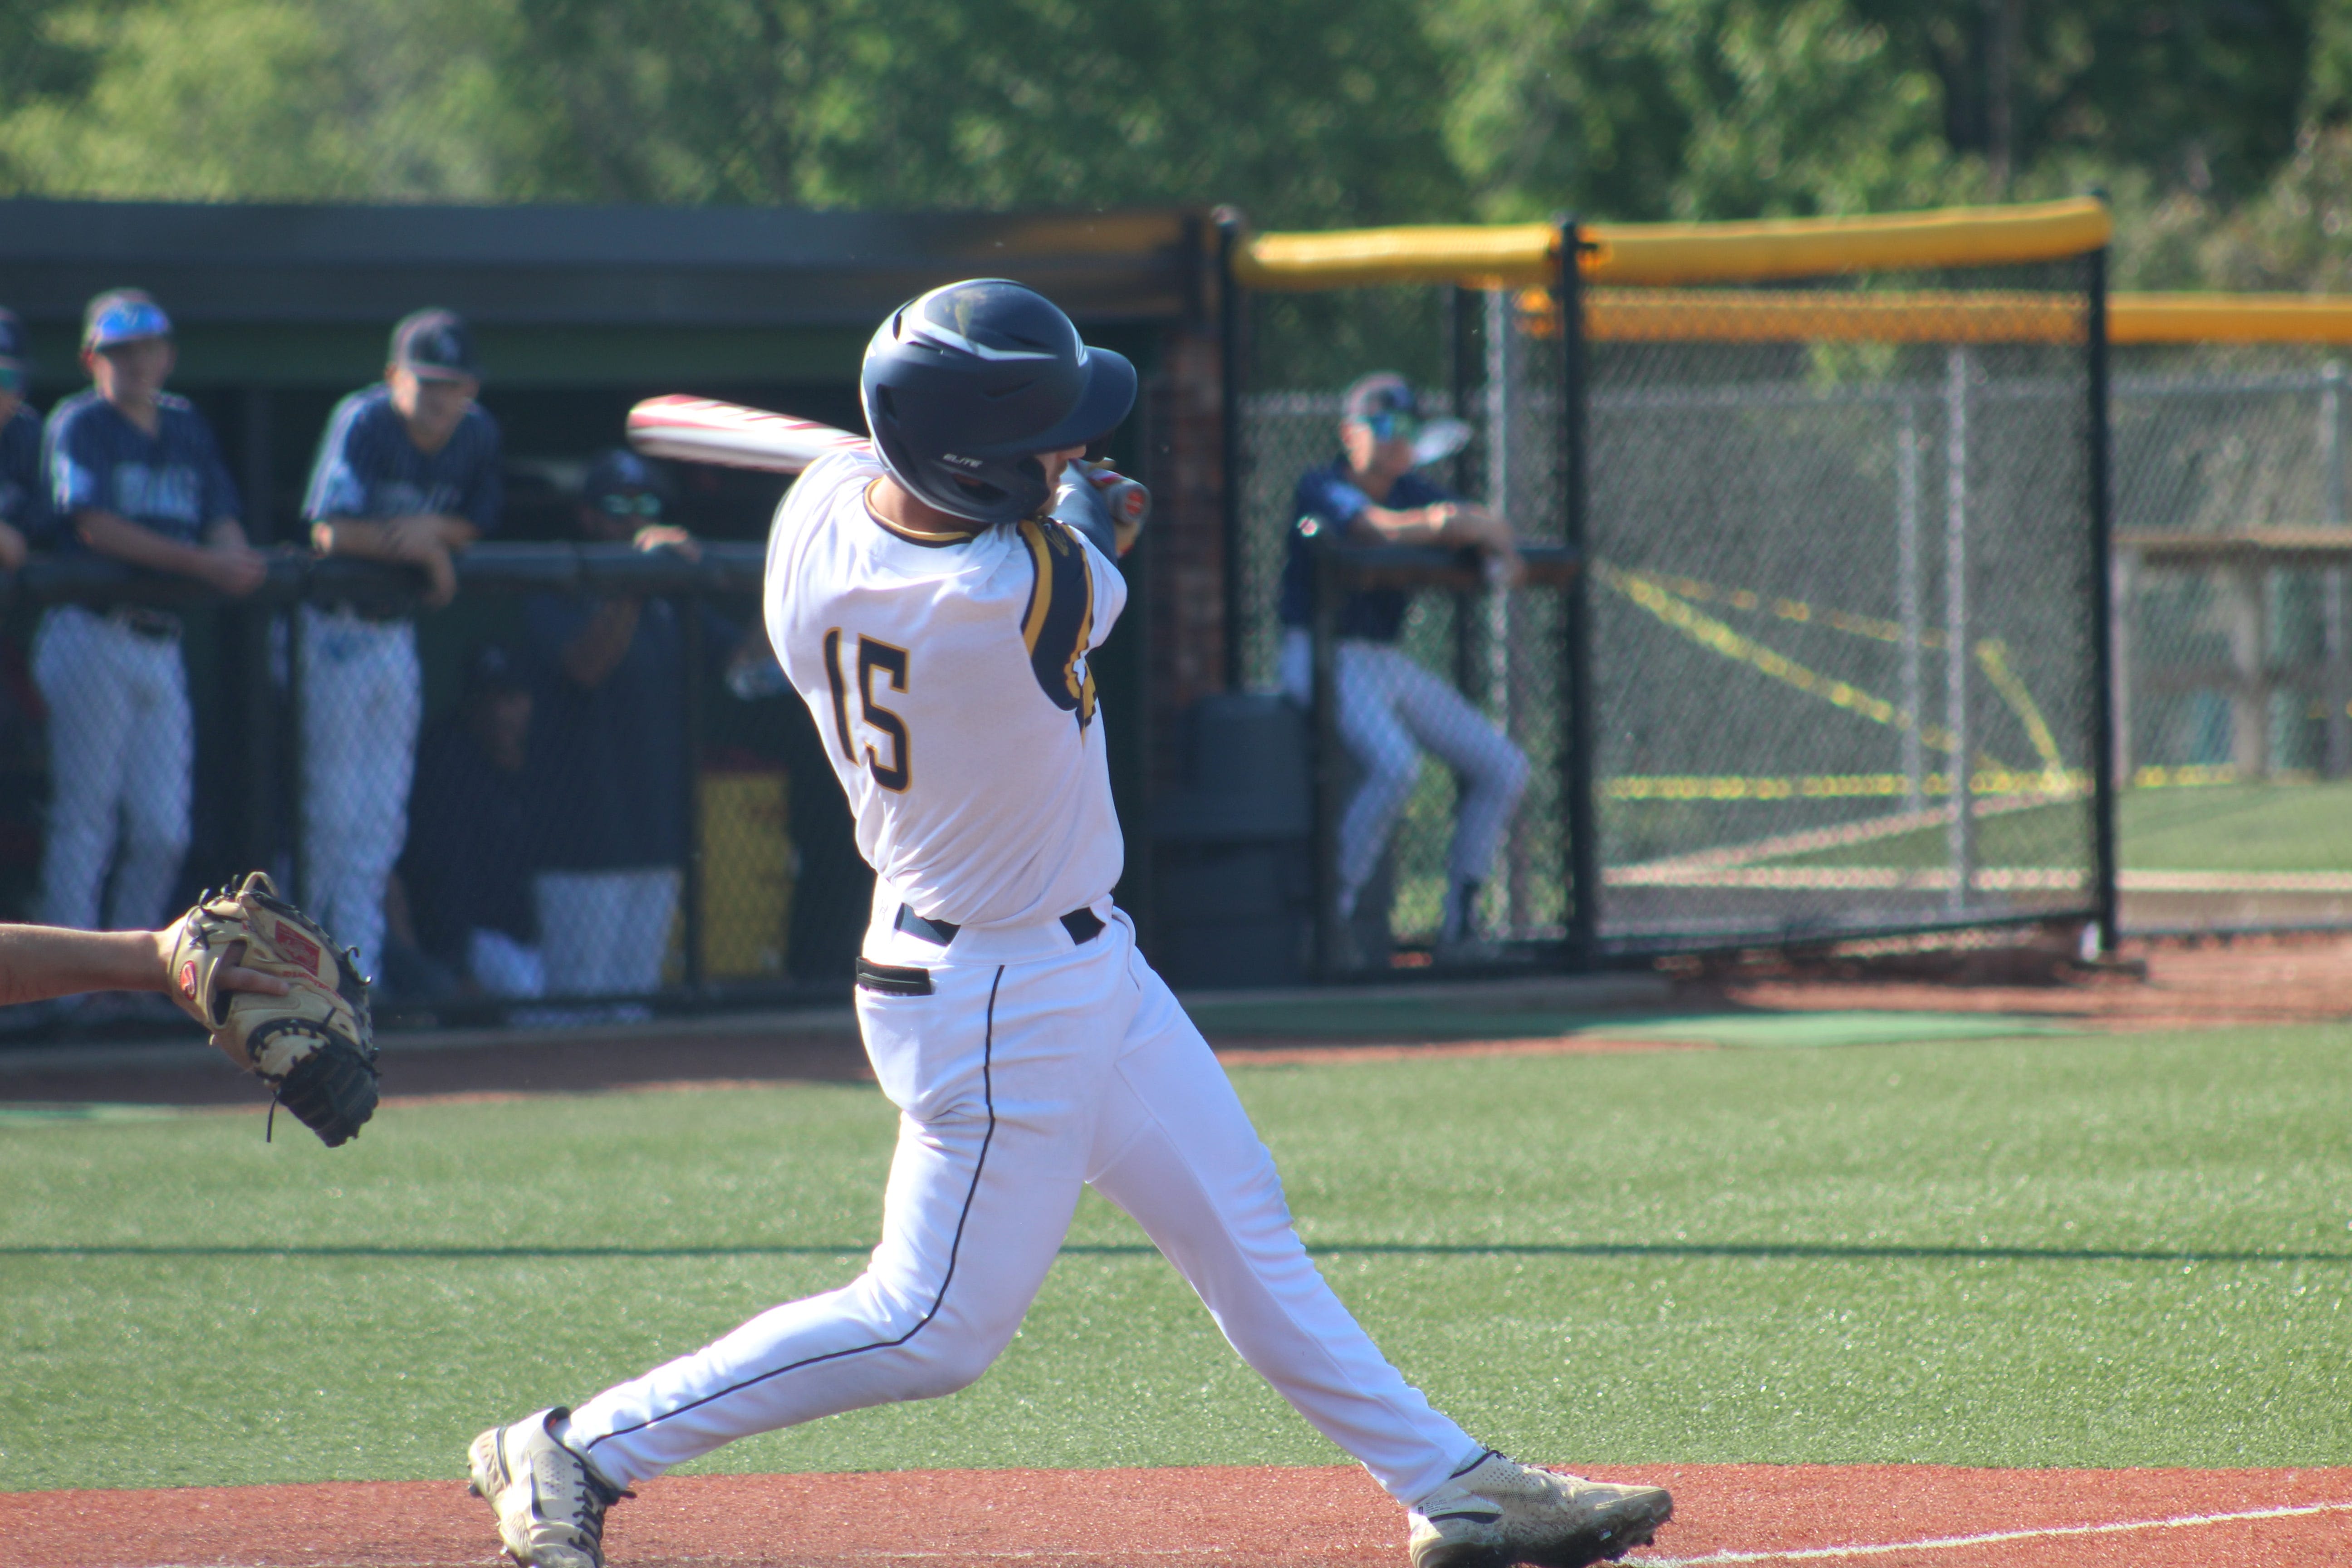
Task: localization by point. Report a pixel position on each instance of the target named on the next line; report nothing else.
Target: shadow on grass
(1765, 1251)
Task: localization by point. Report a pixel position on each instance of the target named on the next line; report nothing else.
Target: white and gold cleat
(1495, 1514)
(551, 1505)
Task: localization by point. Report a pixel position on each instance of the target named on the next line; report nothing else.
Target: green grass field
(2212, 828)
(2068, 1251)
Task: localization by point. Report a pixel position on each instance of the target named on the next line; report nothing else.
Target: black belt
(156, 625)
(1084, 926)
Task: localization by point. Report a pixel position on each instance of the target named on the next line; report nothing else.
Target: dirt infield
(1894, 1515)
(2280, 979)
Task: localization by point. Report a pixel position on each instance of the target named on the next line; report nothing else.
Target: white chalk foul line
(1994, 1538)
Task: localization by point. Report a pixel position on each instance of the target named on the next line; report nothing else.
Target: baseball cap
(122, 316)
(621, 472)
(435, 344)
(1384, 391)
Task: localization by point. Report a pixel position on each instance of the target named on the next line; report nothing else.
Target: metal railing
(247, 654)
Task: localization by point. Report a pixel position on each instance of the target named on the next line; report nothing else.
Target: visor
(124, 318)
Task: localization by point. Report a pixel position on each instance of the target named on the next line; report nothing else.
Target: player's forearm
(123, 539)
(380, 539)
(37, 962)
(1384, 525)
(361, 537)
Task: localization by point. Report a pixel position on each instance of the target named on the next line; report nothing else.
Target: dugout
(578, 312)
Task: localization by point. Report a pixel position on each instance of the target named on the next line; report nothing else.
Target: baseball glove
(315, 1046)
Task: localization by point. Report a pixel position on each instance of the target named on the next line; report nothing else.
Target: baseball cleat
(551, 1505)
(1495, 1513)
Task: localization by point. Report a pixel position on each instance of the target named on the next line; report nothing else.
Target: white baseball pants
(362, 695)
(503, 966)
(1035, 1066)
(121, 748)
(605, 933)
(1389, 709)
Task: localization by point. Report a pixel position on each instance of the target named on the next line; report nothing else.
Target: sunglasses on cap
(125, 321)
(644, 503)
(1391, 426)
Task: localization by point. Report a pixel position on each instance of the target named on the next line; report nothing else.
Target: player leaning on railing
(1388, 708)
(131, 472)
(939, 627)
(407, 471)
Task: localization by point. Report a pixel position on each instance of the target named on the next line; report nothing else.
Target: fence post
(1961, 839)
(2105, 621)
(257, 828)
(1323, 762)
(690, 799)
(1230, 382)
(1455, 309)
(1506, 491)
(1583, 851)
(1907, 549)
(2335, 646)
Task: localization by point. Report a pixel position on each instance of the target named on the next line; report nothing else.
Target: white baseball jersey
(948, 675)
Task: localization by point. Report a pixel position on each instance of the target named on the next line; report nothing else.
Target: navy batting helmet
(965, 385)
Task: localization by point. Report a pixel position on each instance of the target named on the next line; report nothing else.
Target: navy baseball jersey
(1328, 498)
(172, 481)
(367, 468)
(20, 473)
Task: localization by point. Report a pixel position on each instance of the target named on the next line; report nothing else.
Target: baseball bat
(1108, 506)
(703, 430)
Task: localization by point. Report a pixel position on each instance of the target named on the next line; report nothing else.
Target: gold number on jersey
(840, 694)
(874, 655)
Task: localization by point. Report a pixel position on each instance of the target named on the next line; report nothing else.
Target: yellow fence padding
(1734, 316)
(1484, 256)
(1518, 255)
(2229, 318)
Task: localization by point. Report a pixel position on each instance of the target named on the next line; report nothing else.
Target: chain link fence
(1843, 590)
(580, 791)
(2234, 675)
(1844, 580)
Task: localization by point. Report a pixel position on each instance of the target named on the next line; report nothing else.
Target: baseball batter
(940, 628)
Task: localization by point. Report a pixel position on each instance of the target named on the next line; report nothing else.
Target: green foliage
(2213, 126)
(265, 99)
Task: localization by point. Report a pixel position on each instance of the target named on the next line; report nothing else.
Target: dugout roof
(293, 294)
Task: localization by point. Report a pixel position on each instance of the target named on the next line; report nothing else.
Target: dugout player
(467, 865)
(407, 471)
(130, 471)
(939, 627)
(20, 447)
(1390, 708)
(609, 754)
